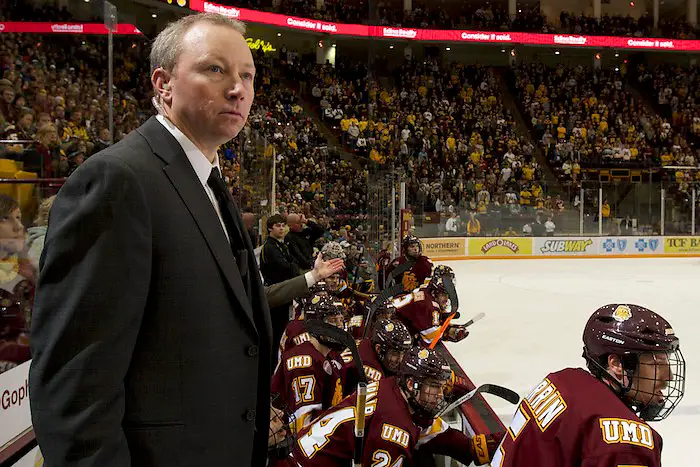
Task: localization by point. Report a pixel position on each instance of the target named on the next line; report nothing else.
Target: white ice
(536, 311)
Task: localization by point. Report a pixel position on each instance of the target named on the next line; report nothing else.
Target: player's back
(420, 313)
(390, 434)
(307, 382)
(571, 419)
(294, 334)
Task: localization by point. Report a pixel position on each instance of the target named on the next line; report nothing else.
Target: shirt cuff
(310, 280)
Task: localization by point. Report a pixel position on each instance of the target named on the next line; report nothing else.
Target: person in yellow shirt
(451, 143)
(525, 196)
(606, 209)
(345, 124)
(536, 190)
(473, 226)
(603, 126)
(510, 232)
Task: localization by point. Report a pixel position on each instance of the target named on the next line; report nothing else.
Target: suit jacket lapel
(185, 181)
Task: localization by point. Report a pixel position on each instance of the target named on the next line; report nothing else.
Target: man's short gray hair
(168, 44)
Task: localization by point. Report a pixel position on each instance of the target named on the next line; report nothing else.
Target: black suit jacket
(147, 350)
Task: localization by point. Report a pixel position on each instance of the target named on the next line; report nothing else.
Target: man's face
(443, 299)
(8, 95)
(278, 230)
(104, 134)
(333, 282)
(431, 393)
(44, 119)
(651, 378)
(413, 250)
(393, 359)
(26, 120)
(211, 87)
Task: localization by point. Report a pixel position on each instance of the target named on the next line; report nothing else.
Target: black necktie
(229, 213)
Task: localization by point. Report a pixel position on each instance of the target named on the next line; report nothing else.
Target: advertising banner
(630, 245)
(676, 245)
(443, 247)
(500, 246)
(65, 28)
(555, 246)
(14, 403)
(450, 35)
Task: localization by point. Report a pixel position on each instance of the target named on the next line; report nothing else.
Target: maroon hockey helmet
(329, 310)
(630, 331)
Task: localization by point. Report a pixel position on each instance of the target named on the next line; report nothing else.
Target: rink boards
(455, 248)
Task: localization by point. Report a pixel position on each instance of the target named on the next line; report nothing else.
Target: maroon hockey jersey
(307, 382)
(372, 366)
(573, 419)
(293, 335)
(391, 436)
(414, 277)
(420, 313)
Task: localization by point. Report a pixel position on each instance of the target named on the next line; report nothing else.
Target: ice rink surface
(536, 311)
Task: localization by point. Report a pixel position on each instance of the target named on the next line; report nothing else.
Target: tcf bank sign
(688, 245)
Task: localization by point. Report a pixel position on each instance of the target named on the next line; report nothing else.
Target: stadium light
(154, 15)
(448, 48)
(279, 34)
(556, 52)
(391, 46)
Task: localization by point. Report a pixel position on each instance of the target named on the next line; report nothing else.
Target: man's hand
(456, 333)
(323, 269)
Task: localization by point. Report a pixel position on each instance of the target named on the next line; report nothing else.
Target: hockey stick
(339, 335)
(383, 297)
(499, 391)
(400, 269)
(360, 404)
(446, 324)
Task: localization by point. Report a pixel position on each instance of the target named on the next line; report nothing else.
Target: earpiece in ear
(166, 86)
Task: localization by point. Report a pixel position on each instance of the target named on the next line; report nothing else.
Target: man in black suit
(151, 334)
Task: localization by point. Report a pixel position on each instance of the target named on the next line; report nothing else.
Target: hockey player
(400, 419)
(425, 309)
(381, 354)
(636, 374)
(412, 268)
(308, 379)
(295, 332)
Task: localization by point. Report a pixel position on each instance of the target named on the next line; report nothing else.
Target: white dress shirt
(199, 162)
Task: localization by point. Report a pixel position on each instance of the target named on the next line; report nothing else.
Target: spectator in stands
(17, 278)
(37, 233)
(300, 240)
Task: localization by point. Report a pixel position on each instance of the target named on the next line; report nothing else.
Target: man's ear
(615, 366)
(160, 79)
